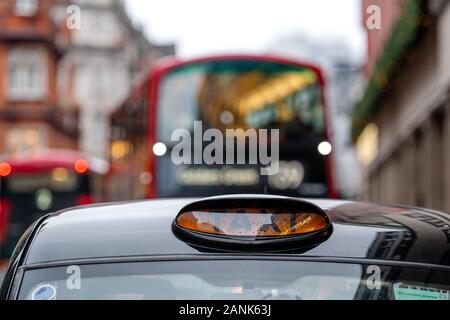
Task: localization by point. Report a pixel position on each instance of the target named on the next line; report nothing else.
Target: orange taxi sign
(250, 222)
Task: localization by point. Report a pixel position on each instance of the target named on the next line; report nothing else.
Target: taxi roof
(140, 229)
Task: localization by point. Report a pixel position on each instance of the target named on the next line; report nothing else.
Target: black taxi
(241, 247)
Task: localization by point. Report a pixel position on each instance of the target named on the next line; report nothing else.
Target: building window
(26, 8)
(26, 138)
(27, 74)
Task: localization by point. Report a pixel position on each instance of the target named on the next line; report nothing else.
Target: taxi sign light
(252, 222)
(267, 222)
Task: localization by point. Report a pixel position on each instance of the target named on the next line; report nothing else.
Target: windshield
(231, 94)
(57, 180)
(233, 280)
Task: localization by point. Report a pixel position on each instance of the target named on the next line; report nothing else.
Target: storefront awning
(403, 36)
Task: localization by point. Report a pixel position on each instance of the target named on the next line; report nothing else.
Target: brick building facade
(30, 118)
(59, 82)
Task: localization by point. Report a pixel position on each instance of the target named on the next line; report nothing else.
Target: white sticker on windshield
(412, 292)
(44, 292)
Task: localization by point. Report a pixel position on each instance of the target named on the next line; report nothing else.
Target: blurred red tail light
(81, 166)
(5, 169)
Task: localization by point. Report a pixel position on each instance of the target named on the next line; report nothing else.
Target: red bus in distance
(247, 92)
(32, 185)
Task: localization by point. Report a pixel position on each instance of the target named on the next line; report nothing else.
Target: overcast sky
(201, 27)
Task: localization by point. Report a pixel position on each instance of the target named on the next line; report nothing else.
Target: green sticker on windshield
(411, 292)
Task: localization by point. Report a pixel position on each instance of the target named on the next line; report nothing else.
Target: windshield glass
(233, 280)
(241, 94)
(59, 180)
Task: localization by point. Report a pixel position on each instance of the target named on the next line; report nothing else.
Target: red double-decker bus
(32, 185)
(241, 92)
(226, 93)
